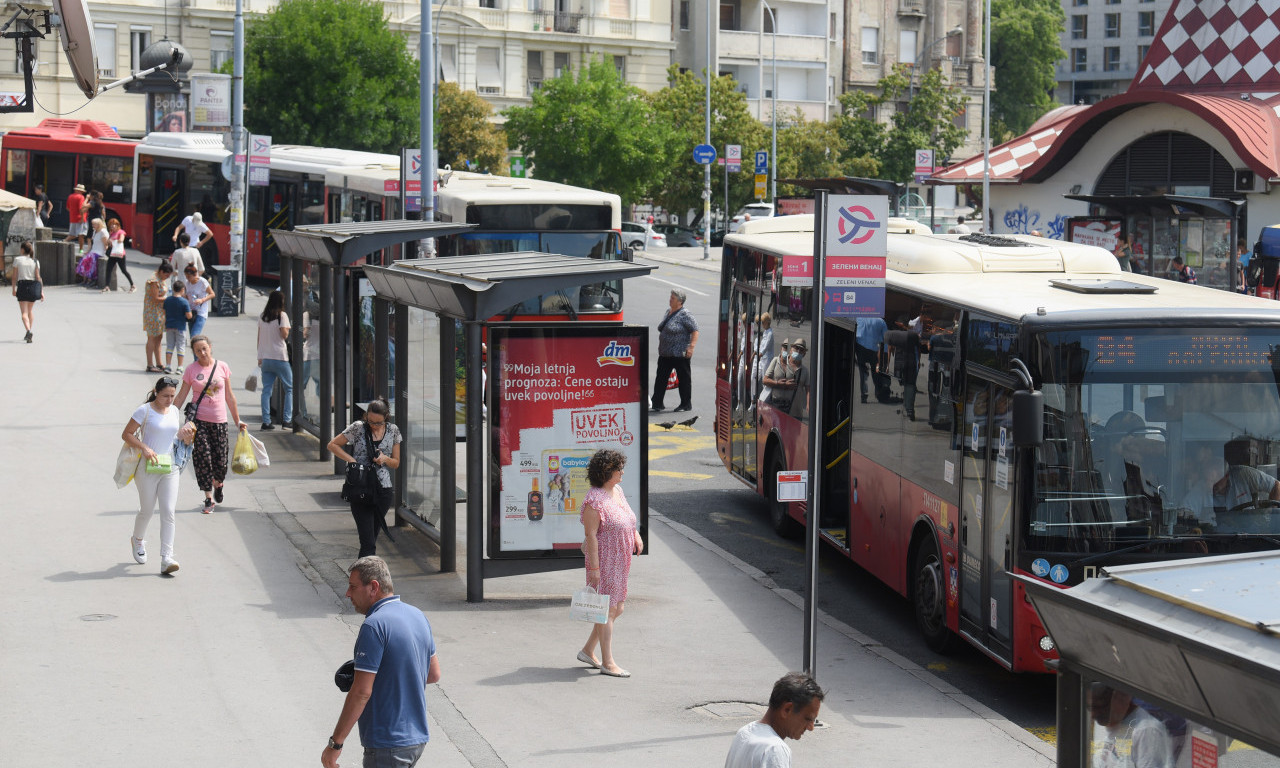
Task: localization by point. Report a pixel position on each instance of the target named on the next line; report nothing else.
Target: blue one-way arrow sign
(704, 154)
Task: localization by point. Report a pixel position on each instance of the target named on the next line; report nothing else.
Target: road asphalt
(230, 661)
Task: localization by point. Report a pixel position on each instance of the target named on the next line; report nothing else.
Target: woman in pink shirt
(209, 383)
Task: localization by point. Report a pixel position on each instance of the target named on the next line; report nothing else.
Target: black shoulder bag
(191, 409)
(362, 478)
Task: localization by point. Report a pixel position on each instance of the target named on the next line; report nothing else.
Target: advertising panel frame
(625, 409)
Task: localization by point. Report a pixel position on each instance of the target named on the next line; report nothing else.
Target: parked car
(678, 236)
(642, 236)
(750, 210)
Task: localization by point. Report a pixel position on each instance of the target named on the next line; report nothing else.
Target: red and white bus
(60, 153)
(1161, 425)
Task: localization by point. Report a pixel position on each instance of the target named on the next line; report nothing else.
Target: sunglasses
(167, 381)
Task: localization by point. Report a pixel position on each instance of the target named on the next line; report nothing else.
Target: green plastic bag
(162, 464)
(243, 462)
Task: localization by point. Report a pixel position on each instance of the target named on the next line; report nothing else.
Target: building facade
(1105, 41)
(503, 49)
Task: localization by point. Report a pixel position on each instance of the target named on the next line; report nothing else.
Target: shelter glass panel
(308, 390)
(421, 449)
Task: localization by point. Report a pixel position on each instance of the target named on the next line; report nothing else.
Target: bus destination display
(1162, 352)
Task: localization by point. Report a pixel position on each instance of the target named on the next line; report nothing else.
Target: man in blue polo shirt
(395, 660)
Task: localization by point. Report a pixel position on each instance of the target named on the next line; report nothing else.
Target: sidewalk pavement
(230, 661)
(686, 257)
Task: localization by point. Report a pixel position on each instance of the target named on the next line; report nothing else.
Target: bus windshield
(1158, 435)
(598, 297)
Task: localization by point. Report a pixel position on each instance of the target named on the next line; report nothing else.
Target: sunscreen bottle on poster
(535, 502)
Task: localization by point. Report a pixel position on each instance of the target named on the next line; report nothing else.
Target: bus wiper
(568, 305)
(1133, 548)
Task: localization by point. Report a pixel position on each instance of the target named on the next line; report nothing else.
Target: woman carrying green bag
(156, 423)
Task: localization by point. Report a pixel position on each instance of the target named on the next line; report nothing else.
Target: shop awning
(479, 287)
(340, 245)
(1199, 634)
(1211, 207)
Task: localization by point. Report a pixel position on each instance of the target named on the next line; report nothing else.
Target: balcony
(558, 21)
(811, 110)
(754, 45)
(911, 8)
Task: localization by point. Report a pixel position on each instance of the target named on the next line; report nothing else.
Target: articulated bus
(58, 154)
(1160, 434)
(511, 215)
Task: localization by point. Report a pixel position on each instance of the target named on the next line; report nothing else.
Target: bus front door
(986, 531)
(743, 386)
(276, 214)
(170, 184)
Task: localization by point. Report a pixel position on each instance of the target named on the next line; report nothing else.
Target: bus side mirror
(1028, 418)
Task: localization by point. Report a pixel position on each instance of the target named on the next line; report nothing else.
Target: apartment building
(751, 39)
(503, 49)
(1105, 41)
(925, 34)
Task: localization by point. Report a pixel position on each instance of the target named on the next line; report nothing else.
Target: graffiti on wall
(1023, 220)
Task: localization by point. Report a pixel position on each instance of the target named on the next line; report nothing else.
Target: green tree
(682, 107)
(807, 149)
(330, 73)
(1024, 48)
(591, 129)
(928, 122)
(464, 131)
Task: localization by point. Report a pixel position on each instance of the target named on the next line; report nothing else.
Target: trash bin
(57, 261)
(225, 281)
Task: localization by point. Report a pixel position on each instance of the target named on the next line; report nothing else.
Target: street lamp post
(706, 170)
(914, 67)
(773, 116)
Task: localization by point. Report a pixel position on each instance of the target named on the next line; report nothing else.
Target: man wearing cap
(76, 230)
(677, 336)
(198, 233)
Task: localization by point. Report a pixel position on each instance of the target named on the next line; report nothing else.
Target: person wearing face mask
(799, 380)
(778, 379)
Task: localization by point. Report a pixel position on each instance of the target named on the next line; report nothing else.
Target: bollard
(102, 274)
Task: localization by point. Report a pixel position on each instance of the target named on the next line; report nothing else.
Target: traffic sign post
(856, 241)
(924, 165)
(760, 180)
(762, 162)
(704, 154)
(733, 157)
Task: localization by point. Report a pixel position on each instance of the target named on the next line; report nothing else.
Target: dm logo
(616, 354)
(856, 225)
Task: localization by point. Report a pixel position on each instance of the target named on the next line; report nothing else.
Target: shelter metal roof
(1221, 206)
(342, 245)
(1199, 634)
(479, 287)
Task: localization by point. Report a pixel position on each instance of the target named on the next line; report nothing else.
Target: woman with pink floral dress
(611, 539)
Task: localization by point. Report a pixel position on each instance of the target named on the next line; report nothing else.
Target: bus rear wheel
(783, 523)
(929, 597)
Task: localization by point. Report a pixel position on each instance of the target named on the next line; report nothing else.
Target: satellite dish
(78, 42)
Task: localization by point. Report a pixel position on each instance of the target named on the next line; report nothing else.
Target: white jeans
(153, 490)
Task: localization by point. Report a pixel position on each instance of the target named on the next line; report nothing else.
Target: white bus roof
(1009, 282)
(466, 187)
(303, 159)
(370, 178)
(194, 146)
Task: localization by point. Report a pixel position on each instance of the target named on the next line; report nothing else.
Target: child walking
(177, 311)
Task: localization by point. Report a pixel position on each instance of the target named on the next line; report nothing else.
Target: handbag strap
(212, 372)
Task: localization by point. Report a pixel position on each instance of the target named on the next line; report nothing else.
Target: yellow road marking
(1047, 734)
(663, 444)
(680, 475)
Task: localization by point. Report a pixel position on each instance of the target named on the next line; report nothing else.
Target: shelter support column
(449, 449)
(1071, 714)
(341, 376)
(326, 360)
(475, 465)
(297, 344)
(402, 398)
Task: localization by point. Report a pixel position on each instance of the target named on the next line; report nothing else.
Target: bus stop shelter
(467, 289)
(1193, 642)
(320, 266)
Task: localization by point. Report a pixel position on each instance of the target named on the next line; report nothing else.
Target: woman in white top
(151, 430)
(273, 358)
(100, 246)
(199, 294)
(27, 285)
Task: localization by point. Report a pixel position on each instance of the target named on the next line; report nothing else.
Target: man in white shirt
(793, 709)
(1131, 737)
(198, 233)
(185, 255)
(960, 228)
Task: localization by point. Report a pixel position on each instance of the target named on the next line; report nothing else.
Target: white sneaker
(139, 550)
(168, 565)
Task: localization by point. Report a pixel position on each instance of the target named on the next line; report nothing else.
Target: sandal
(153, 369)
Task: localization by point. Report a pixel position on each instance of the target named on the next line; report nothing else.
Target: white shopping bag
(587, 605)
(260, 452)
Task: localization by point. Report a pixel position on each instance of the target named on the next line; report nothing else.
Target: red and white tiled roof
(1008, 160)
(1208, 45)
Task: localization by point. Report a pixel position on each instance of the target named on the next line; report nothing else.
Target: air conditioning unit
(1247, 180)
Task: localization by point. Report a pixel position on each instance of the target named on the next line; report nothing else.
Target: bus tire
(783, 523)
(929, 596)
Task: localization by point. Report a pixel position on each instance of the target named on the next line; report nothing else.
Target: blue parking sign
(762, 162)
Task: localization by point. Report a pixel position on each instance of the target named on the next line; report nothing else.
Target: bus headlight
(1046, 643)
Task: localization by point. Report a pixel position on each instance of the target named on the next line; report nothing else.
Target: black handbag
(345, 676)
(362, 481)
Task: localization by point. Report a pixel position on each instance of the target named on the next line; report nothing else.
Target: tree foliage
(807, 149)
(591, 129)
(1024, 48)
(465, 133)
(888, 150)
(681, 106)
(330, 73)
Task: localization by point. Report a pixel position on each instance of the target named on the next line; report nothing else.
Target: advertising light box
(557, 394)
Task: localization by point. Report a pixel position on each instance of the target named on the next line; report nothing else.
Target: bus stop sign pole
(813, 496)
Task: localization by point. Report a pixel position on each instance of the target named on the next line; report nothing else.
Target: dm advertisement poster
(558, 393)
